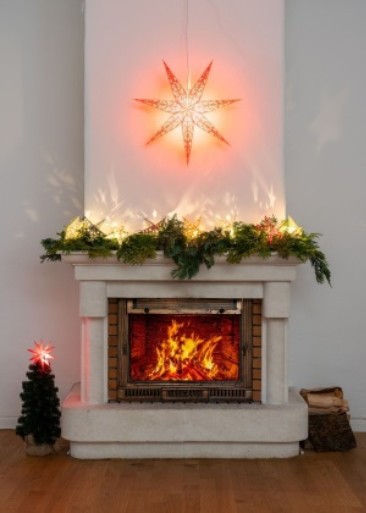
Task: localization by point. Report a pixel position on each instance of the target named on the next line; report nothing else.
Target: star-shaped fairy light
(191, 228)
(81, 225)
(187, 110)
(41, 354)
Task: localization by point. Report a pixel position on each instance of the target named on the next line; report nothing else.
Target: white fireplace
(126, 183)
(97, 428)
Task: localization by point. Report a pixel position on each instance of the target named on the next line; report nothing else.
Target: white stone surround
(98, 429)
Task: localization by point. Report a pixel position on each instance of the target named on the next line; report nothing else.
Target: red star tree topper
(41, 354)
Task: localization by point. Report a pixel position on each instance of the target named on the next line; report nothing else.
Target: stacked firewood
(325, 400)
(329, 427)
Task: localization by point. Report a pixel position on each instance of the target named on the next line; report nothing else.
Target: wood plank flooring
(309, 483)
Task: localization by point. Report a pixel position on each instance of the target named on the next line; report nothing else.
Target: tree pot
(33, 449)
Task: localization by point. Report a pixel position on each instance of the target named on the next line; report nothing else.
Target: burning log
(198, 374)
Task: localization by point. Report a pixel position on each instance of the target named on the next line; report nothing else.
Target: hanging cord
(186, 42)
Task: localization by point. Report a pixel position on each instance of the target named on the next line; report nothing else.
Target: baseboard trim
(358, 424)
(8, 422)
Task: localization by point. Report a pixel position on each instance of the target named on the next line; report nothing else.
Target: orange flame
(185, 358)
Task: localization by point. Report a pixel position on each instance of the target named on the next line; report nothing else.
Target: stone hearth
(99, 429)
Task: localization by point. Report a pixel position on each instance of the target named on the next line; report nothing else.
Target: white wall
(41, 169)
(41, 188)
(325, 189)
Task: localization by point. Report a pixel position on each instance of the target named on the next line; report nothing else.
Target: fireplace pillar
(93, 311)
(276, 310)
(276, 389)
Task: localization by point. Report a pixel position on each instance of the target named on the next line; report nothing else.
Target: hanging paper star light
(41, 354)
(187, 110)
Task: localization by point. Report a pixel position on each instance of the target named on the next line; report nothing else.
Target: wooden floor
(309, 483)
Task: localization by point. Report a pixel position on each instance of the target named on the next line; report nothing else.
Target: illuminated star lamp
(41, 354)
(187, 110)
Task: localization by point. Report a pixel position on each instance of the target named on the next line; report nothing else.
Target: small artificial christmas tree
(39, 422)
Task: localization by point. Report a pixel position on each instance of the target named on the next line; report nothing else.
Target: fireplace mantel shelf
(82, 258)
(252, 269)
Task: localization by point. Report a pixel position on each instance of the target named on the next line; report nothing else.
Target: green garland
(188, 254)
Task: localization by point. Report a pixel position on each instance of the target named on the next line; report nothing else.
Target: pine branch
(137, 248)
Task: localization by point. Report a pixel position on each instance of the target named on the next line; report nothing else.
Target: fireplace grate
(185, 395)
(140, 394)
(222, 394)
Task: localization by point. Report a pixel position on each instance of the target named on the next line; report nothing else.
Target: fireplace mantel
(253, 268)
(99, 429)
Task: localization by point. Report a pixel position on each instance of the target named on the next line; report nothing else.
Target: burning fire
(186, 358)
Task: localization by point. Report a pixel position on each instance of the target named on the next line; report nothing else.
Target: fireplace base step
(85, 450)
(132, 430)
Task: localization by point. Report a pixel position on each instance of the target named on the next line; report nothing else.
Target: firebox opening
(184, 347)
(198, 350)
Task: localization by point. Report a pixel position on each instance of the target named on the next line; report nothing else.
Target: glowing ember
(187, 350)
(187, 110)
(41, 354)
